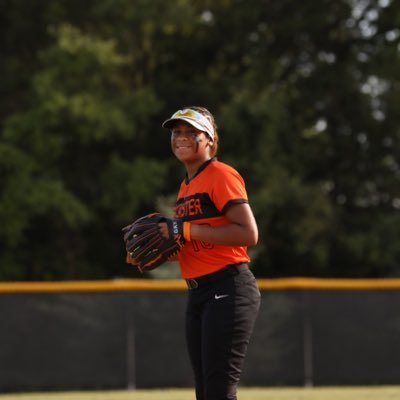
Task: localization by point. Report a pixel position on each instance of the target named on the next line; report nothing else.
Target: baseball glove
(147, 247)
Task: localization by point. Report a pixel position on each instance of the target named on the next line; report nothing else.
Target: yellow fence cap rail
(329, 283)
(114, 285)
(118, 285)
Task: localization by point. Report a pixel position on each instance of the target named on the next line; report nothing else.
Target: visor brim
(169, 124)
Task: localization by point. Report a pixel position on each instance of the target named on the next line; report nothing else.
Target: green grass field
(320, 393)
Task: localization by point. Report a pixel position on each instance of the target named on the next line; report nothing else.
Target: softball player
(223, 297)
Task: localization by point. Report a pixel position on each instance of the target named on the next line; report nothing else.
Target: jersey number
(198, 244)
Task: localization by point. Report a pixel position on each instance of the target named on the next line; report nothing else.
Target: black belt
(229, 270)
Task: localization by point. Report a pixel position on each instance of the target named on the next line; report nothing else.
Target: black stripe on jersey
(232, 202)
(197, 206)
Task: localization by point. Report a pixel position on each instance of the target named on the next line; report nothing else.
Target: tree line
(305, 95)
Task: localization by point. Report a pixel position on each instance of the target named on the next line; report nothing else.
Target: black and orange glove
(147, 246)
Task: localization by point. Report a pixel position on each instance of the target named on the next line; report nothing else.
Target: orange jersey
(204, 200)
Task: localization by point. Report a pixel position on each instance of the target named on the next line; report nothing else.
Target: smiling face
(189, 144)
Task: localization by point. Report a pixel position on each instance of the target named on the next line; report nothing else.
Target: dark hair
(210, 117)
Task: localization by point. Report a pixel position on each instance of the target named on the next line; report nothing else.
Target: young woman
(223, 297)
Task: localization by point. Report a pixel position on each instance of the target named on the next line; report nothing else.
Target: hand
(163, 227)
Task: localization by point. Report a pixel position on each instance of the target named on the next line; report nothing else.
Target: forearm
(241, 230)
(232, 234)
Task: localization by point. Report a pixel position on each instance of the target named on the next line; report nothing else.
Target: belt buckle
(192, 283)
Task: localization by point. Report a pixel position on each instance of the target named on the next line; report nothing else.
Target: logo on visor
(188, 113)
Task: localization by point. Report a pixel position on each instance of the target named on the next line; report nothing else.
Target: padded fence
(130, 334)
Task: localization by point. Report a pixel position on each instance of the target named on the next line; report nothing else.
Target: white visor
(192, 117)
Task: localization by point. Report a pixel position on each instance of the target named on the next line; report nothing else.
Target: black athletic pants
(220, 318)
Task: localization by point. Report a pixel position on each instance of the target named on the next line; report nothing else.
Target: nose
(183, 136)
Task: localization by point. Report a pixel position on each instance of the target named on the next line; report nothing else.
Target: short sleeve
(229, 189)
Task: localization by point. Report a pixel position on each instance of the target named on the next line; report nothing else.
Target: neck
(192, 168)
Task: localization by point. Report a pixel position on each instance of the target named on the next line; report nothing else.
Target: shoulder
(222, 168)
(224, 172)
(228, 187)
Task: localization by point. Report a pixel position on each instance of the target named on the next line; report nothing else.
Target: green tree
(305, 95)
(70, 174)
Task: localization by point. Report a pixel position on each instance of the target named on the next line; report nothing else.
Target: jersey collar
(201, 168)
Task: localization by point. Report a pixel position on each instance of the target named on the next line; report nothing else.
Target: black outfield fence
(130, 334)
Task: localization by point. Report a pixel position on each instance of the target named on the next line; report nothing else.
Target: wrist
(186, 231)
